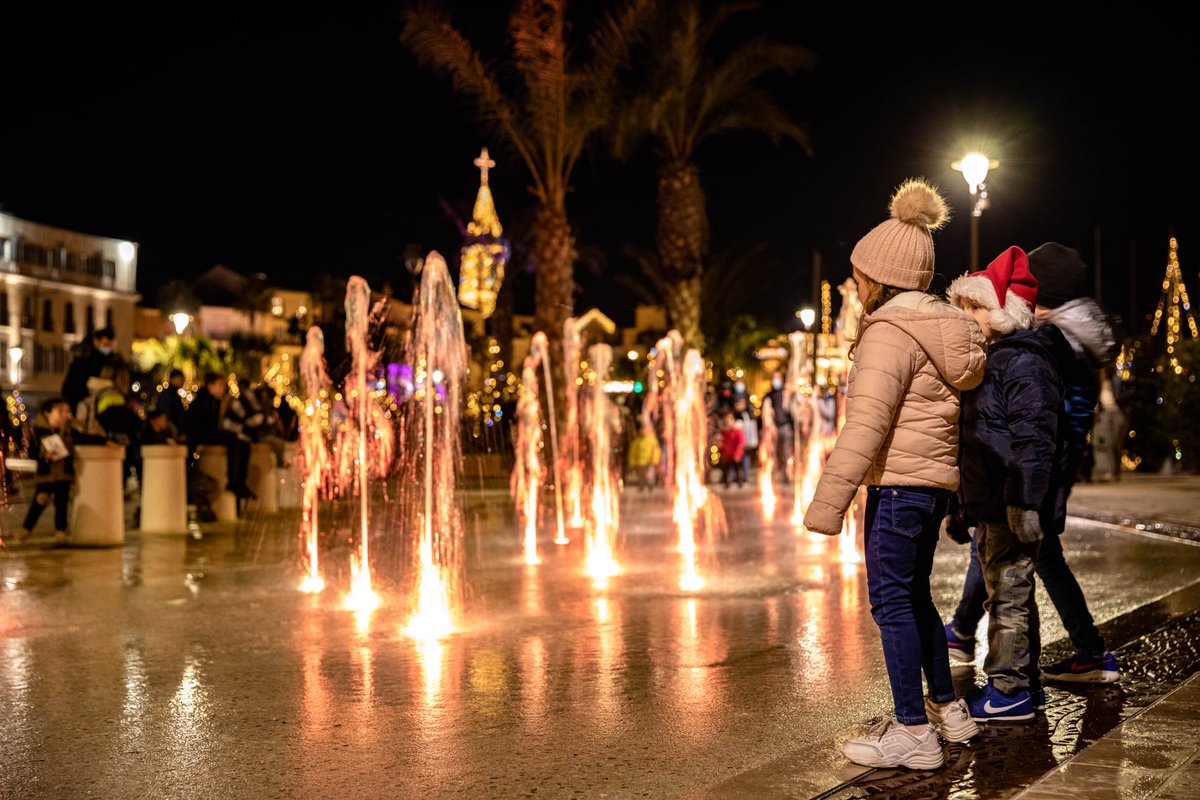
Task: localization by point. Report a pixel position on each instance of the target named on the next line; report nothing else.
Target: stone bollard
(291, 484)
(98, 512)
(164, 488)
(214, 464)
(260, 476)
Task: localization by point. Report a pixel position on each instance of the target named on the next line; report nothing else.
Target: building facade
(56, 286)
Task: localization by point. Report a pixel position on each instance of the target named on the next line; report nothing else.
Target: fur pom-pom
(918, 203)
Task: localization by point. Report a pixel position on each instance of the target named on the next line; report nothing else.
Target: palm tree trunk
(554, 292)
(682, 245)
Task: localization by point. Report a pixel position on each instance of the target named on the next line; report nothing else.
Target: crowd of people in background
(100, 404)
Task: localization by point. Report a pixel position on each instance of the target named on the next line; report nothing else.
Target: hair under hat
(1061, 272)
(899, 251)
(1007, 289)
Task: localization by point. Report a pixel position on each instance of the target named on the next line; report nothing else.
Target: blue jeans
(902, 526)
(1060, 584)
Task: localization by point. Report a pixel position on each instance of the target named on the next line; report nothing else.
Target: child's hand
(1025, 523)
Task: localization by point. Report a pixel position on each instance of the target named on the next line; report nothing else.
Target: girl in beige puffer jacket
(913, 356)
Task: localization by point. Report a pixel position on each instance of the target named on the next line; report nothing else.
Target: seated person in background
(170, 399)
(52, 445)
(158, 429)
(203, 424)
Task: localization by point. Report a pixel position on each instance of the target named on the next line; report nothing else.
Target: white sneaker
(953, 721)
(889, 744)
(61, 538)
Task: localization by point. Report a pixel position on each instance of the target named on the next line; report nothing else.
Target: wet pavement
(175, 667)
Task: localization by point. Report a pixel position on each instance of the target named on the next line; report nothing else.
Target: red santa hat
(1007, 289)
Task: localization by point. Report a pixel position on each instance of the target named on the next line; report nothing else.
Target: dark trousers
(902, 527)
(61, 492)
(1014, 629)
(1061, 585)
(735, 469)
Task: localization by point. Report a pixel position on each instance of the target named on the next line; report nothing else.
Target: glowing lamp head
(807, 317)
(180, 320)
(15, 354)
(632, 355)
(974, 167)
(126, 251)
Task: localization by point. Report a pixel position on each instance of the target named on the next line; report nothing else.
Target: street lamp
(180, 320)
(807, 317)
(974, 167)
(15, 354)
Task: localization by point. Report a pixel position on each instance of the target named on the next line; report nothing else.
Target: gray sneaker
(889, 744)
(953, 722)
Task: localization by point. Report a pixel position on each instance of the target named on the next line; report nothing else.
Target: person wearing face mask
(783, 420)
(88, 358)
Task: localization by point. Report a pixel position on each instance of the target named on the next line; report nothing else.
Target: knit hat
(1061, 273)
(1006, 289)
(899, 251)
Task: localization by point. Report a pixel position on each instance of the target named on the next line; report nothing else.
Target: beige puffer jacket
(913, 357)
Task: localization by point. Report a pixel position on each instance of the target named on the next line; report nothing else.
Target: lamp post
(180, 320)
(974, 167)
(15, 354)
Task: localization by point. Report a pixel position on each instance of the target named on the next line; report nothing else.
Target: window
(27, 313)
(48, 316)
(68, 317)
(5, 249)
(108, 323)
(3, 308)
(91, 319)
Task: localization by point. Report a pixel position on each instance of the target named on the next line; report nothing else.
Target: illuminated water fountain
(574, 451)
(439, 355)
(315, 454)
(768, 444)
(362, 596)
(691, 457)
(526, 482)
(601, 421)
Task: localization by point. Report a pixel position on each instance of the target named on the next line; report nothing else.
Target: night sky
(297, 140)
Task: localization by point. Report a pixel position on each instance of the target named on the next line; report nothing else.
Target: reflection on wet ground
(173, 666)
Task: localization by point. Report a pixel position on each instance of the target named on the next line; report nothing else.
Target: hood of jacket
(1088, 328)
(1048, 339)
(97, 384)
(950, 338)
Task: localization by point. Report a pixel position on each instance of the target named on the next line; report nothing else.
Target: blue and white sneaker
(962, 648)
(993, 705)
(1081, 668)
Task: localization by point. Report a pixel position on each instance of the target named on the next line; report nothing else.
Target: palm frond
(654, 288)
(428, 32)
(738, 73)
(537, 28)
(754, 110)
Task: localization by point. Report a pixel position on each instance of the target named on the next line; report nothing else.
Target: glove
(1025, 523)
(958, 529)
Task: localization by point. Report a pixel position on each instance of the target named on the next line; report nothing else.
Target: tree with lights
(692, 93)
(1160, 372)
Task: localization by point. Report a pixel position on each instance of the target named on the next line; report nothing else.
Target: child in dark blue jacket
(1012, 462)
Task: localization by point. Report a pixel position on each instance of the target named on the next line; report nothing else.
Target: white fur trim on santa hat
(1016, 314)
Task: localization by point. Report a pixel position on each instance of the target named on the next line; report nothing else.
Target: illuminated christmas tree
(485, 251)
(1161, 371)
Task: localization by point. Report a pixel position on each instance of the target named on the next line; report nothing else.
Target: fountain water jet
(314, 453)
(440, 359)
(526, 482)
(574, 456)
(690, 465)
(602, 534)
(362, 596)
(768, 443)
(541, 346)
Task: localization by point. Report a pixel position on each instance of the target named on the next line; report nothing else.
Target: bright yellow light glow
(974, 167)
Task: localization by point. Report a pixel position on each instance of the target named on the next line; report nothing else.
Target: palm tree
(546, 100)
(690, 96)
